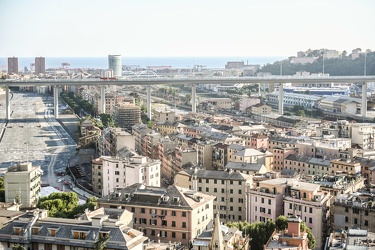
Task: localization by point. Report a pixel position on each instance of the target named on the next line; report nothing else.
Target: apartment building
(109, 173)
(219, 156)
(355, 210)
(165, 214)
(228, 187)
(265, 202)
(139, 132)
(204, 152)
(35, 230)
(150, 143)
(279, 156)
(367, 169)
(22, 184)
(312, 205)
(163, 116)
(167, 127)
(345, 166)
(246, 168)
(259, 109)
(363, 134)
(113, 140)
(165, 147)
(127, 115)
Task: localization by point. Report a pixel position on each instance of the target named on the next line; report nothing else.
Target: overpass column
(7, 102)
(281, 98)
(102, 98)
(193, 98)
(149, 102)
(364, 100)
(56, 101)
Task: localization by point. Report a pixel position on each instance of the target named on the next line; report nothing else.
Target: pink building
(166, 214)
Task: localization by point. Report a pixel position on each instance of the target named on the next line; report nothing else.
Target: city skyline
(170, 28)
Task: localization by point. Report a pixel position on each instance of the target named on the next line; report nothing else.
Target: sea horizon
(143, 62)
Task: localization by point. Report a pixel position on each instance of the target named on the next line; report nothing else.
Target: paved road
(33, 134)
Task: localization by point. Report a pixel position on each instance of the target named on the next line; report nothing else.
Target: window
(366, 223)
(152, 232)
(346, 219)
(239, 191)
(222, 190)
(239, 217)
(310, 220)
(183, 224)
(183, 214)
(153, 222)
(239, 182)
(310, 210)
(222, 182)
(240, 200)
(215, 181)
(143, 210)
(231, 208)
(231, 182)
(269, 201)
(262, 200)
(133, 209)
(207, 189)
(200, 189)
(184, 235)
(215, 190)
(207, 180)
(173, 224)
(269, 211)
(230, 199)
(222, 199)
(355, 221)
(173, 213)
(164, 223)
(262, 209)
(200, 180)
(117, 172)
(173, 235)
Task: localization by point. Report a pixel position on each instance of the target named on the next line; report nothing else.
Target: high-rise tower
(40, 65)
(115, 64)
(13, 65)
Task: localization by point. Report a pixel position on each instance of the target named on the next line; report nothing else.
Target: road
(34, 135)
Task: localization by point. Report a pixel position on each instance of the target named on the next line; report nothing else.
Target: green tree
(300, 113)
(18, 247)
(1, 182)
(281, 222)
(107, 120)
(150, 124)
(101, 243)
(310, 236)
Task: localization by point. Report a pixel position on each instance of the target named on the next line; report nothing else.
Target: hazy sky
(183, 27)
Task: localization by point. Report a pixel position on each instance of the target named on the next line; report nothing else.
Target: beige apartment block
(312, 205)
(22, 184)
(167, 128)
(228, 187)
(356, 210)
(164, 116)
(166, 214)
(115, 139)
(109, 173)
(345, 166)
(363, 134)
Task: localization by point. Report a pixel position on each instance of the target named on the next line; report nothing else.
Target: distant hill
(343, 66)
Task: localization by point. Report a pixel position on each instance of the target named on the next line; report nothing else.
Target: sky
(171, 28)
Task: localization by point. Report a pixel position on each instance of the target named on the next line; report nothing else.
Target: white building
(115, 64)
(291, 99)
(112, 172)
(22, 184)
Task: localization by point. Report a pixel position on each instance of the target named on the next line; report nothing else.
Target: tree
(101, 243)
(281, 222)
(1, 182)
(310, 236)
(300, 113)
(107, 120)
(18, 247)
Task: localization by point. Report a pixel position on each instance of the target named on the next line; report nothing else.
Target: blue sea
(175, 62)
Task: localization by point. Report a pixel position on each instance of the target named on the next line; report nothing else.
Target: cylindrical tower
(115, 64)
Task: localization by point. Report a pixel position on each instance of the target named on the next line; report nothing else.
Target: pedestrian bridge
(56, 83)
